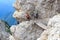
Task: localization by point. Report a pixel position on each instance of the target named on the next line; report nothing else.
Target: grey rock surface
(26, 31)
(53, 31)
(36, 10)
(4, 35)
(44, 8)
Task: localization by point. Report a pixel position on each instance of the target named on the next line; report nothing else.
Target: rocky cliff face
(44, 8)
(31, 15)
(4, 34)
(26, 31)
(53, 33)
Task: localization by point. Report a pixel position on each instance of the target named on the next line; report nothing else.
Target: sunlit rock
(20, 16)
(53, 21)
(11, 37)
(53, 31)
(44, 8)
(27, 31)
(36, 10)
(51, 34)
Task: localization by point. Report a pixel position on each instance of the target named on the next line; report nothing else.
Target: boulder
(26, 30)
(4, 32)
(51, 34)
(53, 31)
(44, 8)
(52, 21)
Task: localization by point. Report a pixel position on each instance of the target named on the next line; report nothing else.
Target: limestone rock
(36, 10)
(26, 31)
(51, 34)
(42, 23)
(47, 8)
(53, 21)
(44, 8)
(19, 15)
(53, 31)
(3, 31)
(11, 37)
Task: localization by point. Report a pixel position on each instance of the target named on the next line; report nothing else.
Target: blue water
(6, 11)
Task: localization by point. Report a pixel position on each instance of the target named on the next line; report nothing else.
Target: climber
(27, 16)
(36, 15)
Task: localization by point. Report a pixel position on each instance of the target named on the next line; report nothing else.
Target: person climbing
(27, 16)
(36, 15)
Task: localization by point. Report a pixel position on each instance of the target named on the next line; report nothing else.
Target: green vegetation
(7, 27)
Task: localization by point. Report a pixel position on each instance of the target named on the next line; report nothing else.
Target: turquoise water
(6, 11)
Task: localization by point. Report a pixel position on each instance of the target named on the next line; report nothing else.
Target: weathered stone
(44, 8)
(38, 11)
(26, 31)
(53, 31)
(11, 37)
(4, 35)
(51, 34)
(53, 21)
